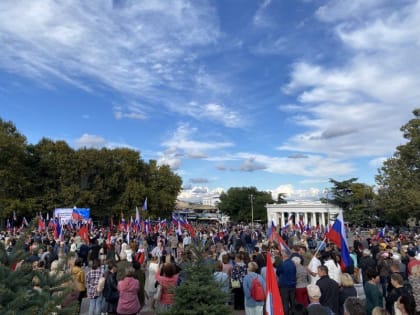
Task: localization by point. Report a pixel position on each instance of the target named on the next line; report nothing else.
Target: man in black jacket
(329, 289)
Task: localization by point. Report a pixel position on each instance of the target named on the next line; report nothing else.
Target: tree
(236, 203)
(17, 295)
(199, 293)
(399, 178)
(356, 200)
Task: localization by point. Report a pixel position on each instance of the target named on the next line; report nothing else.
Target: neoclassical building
(312, 212)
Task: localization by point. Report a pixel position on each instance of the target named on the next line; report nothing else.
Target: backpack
(257, 290)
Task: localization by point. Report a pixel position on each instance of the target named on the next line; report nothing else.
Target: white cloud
(197, 193)
(132, 112)
(180, 145)
(123, 46)
(377, 162)
(90, 141)
(356, 108)
(296, 194)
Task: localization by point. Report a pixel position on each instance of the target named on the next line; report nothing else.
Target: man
(252, 307)
(366, 263)
(286, 273)
(412, 260)
(314, 307)
(329, 289)
(354, 306)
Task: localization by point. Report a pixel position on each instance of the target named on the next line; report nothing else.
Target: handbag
(235, 284)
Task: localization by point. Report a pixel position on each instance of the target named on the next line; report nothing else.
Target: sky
(280, 95)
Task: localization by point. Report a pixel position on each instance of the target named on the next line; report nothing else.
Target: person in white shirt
(313, 267)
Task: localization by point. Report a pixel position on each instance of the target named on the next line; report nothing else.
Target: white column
(282, 219)
(323, 218)
(306, 217)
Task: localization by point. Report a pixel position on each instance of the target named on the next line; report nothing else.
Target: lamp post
(326, 191)
(251, 198)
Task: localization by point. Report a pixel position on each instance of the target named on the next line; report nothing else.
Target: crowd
(121, 273)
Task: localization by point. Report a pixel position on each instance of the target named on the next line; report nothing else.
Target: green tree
(199, 293)
(356, 200)
(238, 203)
(399, 178)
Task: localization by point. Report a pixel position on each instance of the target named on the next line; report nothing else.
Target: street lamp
(326, 191)
(251, 198)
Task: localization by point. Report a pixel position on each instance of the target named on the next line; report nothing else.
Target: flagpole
(320, 245)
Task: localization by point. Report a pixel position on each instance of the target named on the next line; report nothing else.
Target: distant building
(211, 200)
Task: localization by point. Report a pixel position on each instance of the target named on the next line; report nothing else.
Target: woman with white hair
(301, 282)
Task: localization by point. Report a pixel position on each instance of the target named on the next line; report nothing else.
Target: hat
(314, 291)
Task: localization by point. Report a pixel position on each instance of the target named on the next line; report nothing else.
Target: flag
(270, 229)
(75, 215)
(8, 225)
(381, 233)
(41, 224)
(301, 224)
(14, 216)
(144, 208)
(273, 303)
(137, 216)
(25, 222)
(83, 233)
(57, 229)
(275, 237)
(337, 235)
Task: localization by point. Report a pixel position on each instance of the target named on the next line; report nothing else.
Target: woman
(414, 280)
(79, 279)
(334, 270)
(151, 276)
(347, 289)
(372, 292)
(406, 305)
(397, 283)
(227, 266)
(168, 281)
(110, 292)
(238, 273)
(128, 288)
(301, 292)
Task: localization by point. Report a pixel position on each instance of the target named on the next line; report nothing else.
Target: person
(221, 277)
(315, 307)
(252, 307)
(397, 282)
(347, 290)
(406, 305)
(354, 306)
(92, 280)
(412, 260)
(168, 280)
(110, 292)
(329, 289)
(286, 273)
(334, 270)
(128, 288)
(372, 292)
(299, 309)
(414, 280)
(314, 263)
(238, 273)
(152, 269)
(366, 263)
(78, 275)
(301, 282)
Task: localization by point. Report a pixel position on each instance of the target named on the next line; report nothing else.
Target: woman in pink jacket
(167, 281)
(128, 303)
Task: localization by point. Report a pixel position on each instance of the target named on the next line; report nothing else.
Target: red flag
(41, 225)
(84, 234)
(273, 303)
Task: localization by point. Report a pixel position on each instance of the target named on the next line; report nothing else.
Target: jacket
(168, 284)
(286, 273)
(329, 293)
(78, 278)
(247, 283)
(128, 303)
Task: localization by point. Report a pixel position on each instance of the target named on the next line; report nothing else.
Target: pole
(251, 197)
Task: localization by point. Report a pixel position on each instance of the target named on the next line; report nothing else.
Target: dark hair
(218, 266)
(354, 306)
(371, 274)
(95, 264)
(323, 268)
(136, 265)
(169, 269)
(298, 309)
(78, 262)
(409, 304)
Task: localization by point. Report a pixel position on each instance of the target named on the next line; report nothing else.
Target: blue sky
(280, 95)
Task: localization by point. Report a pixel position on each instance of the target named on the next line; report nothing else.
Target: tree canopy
(51, 174)
(238, 203)
(399, 178)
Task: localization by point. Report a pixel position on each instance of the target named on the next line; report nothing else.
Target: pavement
(146, 310)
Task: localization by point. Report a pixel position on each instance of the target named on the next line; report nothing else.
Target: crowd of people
(122, 273)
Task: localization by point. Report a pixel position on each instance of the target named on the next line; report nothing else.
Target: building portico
(312, 212)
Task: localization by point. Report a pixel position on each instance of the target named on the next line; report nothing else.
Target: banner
(65, 214)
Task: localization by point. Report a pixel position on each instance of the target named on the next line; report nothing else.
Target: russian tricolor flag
(273, 303)
(337, 234)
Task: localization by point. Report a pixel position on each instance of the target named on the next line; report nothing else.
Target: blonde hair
(415, 271)
(347, 280)
(252, 266)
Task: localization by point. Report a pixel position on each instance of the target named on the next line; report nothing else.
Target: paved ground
(145, 311)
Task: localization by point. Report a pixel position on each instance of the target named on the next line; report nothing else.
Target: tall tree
(238, 203)
(399, 178)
